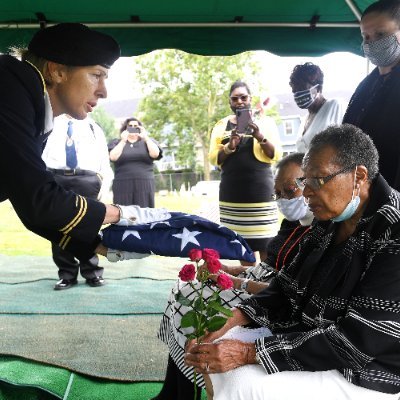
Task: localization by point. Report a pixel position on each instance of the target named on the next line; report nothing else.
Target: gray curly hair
(352, 145)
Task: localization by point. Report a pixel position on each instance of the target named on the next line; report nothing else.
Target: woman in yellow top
(246, 194)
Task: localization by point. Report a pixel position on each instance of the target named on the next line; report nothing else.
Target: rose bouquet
(205, 314)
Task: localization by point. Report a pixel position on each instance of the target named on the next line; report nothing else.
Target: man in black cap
(62, 71)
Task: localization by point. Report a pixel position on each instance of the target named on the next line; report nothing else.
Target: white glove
(135, 215)
(118, 255)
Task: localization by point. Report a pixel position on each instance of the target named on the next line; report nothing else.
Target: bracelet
(244, 284)
(227, 150)
(263, 140)
(119, 209)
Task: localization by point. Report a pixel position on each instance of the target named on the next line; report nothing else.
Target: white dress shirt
(90, 145)
(331, 113)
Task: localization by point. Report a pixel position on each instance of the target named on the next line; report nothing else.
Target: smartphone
(243, 117)
(133, 129)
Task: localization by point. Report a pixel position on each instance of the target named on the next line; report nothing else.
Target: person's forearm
(253, 287)
(116, 152)
(112, 214)
(153, 149)
(268, 148)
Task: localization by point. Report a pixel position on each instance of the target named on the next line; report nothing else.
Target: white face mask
(293, 209)
(351, 207)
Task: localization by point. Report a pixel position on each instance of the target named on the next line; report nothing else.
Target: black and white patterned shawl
(351, 322)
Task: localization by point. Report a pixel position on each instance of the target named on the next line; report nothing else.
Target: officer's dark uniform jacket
(61, 216)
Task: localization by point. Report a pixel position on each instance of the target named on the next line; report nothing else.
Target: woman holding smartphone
(133, 156)
(245, 150)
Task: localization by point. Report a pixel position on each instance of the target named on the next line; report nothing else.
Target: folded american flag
(174, 237)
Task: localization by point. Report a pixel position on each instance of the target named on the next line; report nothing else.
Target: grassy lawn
(15, 239)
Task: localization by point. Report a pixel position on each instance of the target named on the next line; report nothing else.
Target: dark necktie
(70, 150)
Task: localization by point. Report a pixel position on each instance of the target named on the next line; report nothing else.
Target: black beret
(75, 44)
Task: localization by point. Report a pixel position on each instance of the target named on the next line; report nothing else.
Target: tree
(185, 95)
(106, 122)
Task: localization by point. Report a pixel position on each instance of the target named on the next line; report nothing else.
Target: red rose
(187, 273)
(195, 254)
(224, 282)
(210, 253)
(213, 265)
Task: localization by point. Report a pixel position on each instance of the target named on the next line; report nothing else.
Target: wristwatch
(227, 150)
(265, 140)
(244, 284)
(258, 359)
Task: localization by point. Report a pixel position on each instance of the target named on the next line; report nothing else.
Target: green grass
(16, 240)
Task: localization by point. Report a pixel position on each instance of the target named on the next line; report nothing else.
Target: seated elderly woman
(247, 280)
(329, 323)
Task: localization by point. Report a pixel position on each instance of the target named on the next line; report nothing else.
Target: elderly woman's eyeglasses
(317, 182)
(286, 193)
(243, 97)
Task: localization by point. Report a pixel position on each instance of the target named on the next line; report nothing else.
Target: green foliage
(106, 122)
(186, 94)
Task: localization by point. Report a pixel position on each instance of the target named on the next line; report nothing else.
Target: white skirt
(251, 382)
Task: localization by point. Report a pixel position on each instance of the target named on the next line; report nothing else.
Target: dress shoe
(63, 284)
(94, 282)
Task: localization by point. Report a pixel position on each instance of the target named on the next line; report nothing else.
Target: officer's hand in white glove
(134, 215)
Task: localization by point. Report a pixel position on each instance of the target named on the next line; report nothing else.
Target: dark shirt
(244, 179)
(345, 316)
(375, 108)
(134, 161)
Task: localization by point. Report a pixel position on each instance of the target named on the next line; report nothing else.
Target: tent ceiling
(208, 27)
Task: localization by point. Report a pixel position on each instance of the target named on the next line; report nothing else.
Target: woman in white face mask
(374, 106)
(289, 197)
(306, 82)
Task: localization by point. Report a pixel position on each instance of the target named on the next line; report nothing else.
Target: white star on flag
(187, 237)
(243, 248)
(133, 233)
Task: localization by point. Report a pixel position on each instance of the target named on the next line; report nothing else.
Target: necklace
(291, 247)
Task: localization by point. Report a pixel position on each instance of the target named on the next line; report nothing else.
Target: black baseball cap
(75, 44)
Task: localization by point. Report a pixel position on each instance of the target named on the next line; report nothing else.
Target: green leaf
(189, 319)
(180, 298)
(216, 323)
(211, 311)
(217, 306)
(199, 304)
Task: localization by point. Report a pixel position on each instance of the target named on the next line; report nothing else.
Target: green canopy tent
(208, 27)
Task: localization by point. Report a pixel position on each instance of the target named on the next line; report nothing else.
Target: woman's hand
(220, 357)
(143, 134)
(234, 140)
(256, 131)
(124, 136)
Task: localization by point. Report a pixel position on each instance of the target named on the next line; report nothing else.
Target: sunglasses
(317, 182)
(243, 97)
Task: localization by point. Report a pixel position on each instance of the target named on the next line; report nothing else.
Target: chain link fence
(178, 181)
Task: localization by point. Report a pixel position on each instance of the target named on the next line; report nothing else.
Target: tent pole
(356, 11)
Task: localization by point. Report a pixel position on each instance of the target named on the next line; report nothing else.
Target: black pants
(68, 265)
(176, 386)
